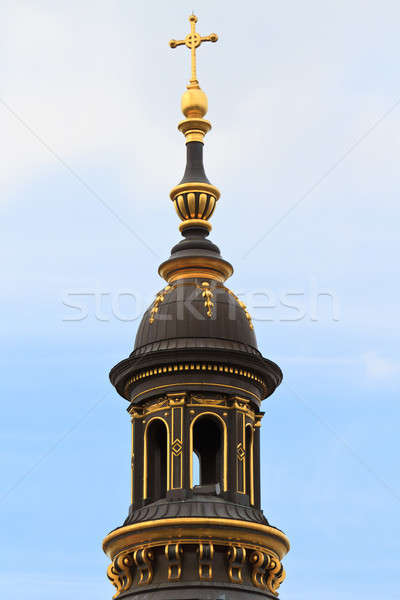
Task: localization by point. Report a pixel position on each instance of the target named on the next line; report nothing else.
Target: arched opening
(196, 468)
(208, 446)
(157, 460)
(249, 464)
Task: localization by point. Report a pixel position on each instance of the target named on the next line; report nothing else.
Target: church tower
(195, 382)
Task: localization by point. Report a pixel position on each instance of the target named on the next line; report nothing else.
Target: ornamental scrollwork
(268, 572)
(143, 558)
(120, 573)
(206, 400)
(276, 575)
(155, 406)
(173, 554)
(205, 553)
(236, 562)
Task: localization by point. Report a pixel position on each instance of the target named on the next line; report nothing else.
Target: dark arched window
(208, 445)
(157, 457)
(249, 464)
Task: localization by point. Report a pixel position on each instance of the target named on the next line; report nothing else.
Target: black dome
(205, 312)
(196, 325)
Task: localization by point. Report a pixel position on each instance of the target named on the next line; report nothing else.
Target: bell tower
(195, 382)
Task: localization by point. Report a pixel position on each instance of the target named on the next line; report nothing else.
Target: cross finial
(193, 41)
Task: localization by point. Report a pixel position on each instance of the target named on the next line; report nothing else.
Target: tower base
(196, 591)
(196, 559)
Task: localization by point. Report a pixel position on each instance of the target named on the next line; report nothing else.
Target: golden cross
(193, 41)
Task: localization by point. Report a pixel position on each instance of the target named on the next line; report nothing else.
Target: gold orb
(194, 103)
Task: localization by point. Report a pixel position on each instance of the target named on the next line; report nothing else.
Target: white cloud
(379, 367)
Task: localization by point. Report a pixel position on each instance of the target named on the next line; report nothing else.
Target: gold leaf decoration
(243, 306)
(159, 299)
(207, 295)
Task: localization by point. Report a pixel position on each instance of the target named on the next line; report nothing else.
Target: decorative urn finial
(194, 197)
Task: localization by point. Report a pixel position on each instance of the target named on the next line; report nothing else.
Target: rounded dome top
(198, 328)
(199, 310)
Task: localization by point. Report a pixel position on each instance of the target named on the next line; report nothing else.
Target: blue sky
(305, 104)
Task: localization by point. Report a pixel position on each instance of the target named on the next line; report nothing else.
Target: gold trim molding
(191, 528)
(188, 367)
(174, 269)
(194, 129)
(180, 384)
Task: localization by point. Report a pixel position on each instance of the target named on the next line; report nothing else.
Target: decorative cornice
(247, 533)
(183, 384)
(245, 565)
(200, 366)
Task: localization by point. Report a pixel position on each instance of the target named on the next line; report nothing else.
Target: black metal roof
(184, 314)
